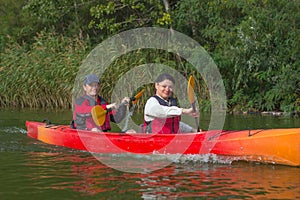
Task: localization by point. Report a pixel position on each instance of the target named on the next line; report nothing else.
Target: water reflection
(34, 170)
(246, 181)
(85, 175)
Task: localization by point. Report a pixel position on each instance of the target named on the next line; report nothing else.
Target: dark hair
(164, 76)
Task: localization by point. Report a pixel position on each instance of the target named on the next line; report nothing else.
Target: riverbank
(266, 113)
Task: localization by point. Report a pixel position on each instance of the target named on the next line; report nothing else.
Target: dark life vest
(163, 125)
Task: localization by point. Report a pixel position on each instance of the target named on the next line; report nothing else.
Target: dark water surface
(30, 169)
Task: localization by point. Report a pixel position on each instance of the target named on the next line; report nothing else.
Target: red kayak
(276, 146)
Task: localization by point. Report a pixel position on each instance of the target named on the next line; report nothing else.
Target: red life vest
(82, 115)
(163, 125)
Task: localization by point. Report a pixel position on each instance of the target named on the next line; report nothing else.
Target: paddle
(191, 95)
(98, 113)
(134, 100)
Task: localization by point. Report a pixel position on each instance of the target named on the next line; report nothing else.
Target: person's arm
(119, 115)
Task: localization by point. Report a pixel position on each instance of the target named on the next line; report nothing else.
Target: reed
(42, 75)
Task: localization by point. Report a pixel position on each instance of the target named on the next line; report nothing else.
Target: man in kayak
(161, 113)
(82, 116)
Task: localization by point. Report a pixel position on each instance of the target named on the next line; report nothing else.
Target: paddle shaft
(134, 100)
(191, 95)
(128, 117)
(196, 118)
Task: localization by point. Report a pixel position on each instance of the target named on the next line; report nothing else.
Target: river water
(33, 170)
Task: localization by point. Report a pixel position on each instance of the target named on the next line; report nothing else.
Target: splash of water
(13, 129)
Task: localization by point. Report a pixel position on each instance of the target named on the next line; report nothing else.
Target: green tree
(11, 20)
(119, 15)
(67, 17)
(255, 44)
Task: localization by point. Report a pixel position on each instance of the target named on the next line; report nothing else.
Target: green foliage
(43, 75)
(119, 15)
(67, 17)
(254, 43)
(11, 20)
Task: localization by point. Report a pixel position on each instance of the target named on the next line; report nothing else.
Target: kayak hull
(277, 146)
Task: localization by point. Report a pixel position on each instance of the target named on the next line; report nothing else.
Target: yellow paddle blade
(137, 96)
(190, 89)
(98, 114)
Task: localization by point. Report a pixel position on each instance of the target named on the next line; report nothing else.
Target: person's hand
(194, 114)
(96, 130)
(125, 101)
(112, 106)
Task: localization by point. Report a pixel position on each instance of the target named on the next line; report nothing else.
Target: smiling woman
(162, 114)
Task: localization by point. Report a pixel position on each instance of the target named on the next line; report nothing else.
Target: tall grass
(42, 75)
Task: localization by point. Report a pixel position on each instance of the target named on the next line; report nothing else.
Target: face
(164, 88)
(91, 89)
